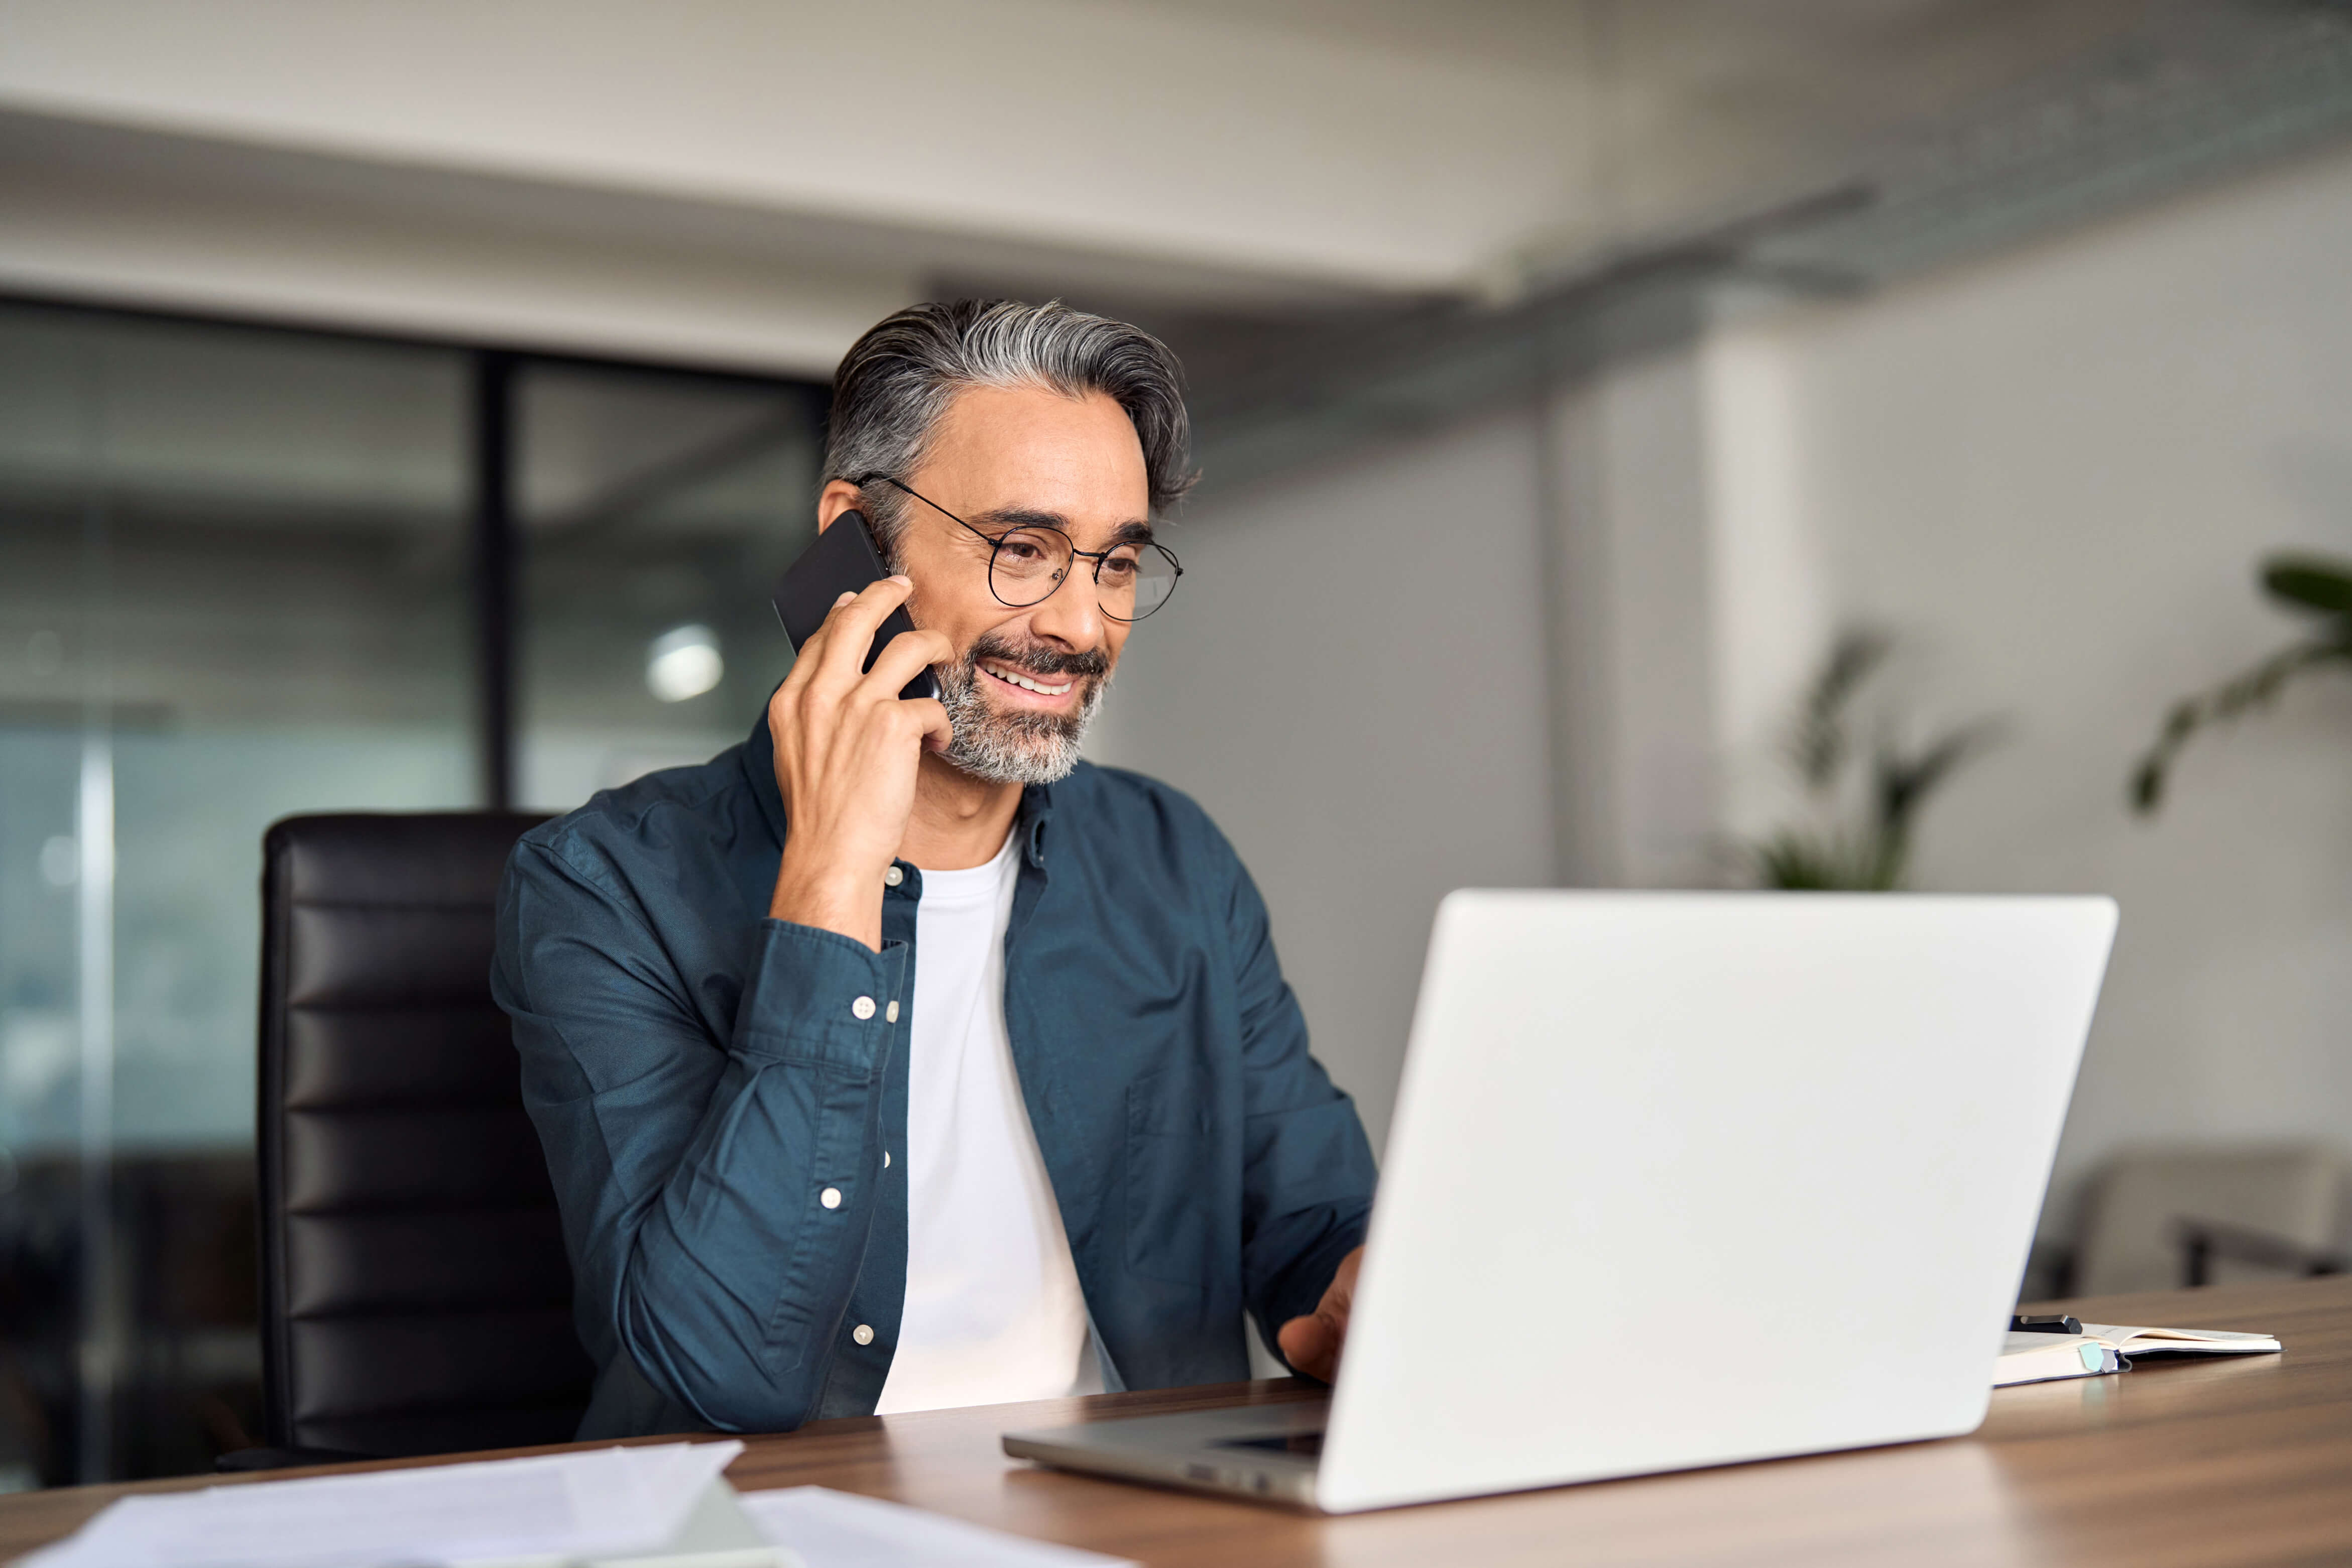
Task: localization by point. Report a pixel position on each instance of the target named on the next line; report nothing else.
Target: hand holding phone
(848, 728)
(848, 752)
(844, 560)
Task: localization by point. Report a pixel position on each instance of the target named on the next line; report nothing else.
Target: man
(896, 1058)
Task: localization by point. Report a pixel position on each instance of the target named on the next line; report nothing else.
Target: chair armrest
(2204, 1241)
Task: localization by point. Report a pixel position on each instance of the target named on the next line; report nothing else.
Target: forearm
(727, 1281)
(739, 1274)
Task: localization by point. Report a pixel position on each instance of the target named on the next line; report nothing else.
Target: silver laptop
(1678, 1179)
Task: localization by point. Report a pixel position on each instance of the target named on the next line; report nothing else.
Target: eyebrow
(1135, 531)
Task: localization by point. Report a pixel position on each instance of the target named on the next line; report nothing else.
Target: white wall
(1629, 504)
(1352, 680)
(2054, 472)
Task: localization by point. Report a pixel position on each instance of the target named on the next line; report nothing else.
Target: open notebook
(2108, 1347)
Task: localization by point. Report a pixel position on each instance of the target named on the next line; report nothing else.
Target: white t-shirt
(993, 1311)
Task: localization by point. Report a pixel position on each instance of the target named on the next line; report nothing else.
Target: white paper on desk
(610, 1502)
(842, 1530)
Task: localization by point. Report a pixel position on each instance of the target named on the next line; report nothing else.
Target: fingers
(932, 715)
(825, 684)
(848, 632)
(806, 658)
(904, 657)
(1311, 1345)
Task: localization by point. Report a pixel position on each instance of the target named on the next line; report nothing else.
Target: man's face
(1026, 680)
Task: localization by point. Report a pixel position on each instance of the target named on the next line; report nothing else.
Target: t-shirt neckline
(971, 882)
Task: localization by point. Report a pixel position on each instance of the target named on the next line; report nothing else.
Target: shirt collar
(1036, 808)
(759, 771)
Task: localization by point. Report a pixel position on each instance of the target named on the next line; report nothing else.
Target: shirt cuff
(818, 995)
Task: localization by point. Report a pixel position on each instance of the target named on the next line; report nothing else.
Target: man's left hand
(1312, 1344)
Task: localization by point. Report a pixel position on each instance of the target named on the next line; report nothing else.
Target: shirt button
(830, 1198)
(863, 1333)
(892, 877)
(890, 1013)
(886, 1159)
(862, 1008)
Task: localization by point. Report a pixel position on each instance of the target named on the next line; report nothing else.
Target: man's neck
(959, 822)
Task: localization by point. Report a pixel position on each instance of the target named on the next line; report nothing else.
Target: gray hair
(897, 380)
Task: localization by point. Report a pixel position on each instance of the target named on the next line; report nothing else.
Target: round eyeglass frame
(996, 543)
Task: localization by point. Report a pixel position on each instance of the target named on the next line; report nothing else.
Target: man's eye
(1020, 548)
(1118, 568)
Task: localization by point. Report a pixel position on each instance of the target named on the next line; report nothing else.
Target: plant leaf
(1793, 862)
(2310, 582)
(1904, 783)
(1822, 739)
(2242, 694)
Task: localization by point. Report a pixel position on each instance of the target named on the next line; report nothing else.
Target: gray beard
(1011, 748)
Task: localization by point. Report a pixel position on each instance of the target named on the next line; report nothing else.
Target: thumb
(939, 733)
(1312, 1343)
(1307, 1345)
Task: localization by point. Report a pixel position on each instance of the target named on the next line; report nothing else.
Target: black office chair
(416, 1295)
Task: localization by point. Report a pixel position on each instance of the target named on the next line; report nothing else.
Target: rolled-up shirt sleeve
(717, 1193)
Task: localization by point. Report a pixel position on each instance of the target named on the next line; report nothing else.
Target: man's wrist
(834, 898)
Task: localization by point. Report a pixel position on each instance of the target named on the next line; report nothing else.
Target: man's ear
(838, 496)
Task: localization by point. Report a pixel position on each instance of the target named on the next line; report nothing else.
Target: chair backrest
(416, 1295)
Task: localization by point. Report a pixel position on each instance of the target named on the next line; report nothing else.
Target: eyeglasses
(1027, 563)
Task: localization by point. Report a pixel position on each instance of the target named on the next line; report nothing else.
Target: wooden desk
(2241, 1461)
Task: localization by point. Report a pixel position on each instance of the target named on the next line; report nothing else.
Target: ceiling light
(683, 663)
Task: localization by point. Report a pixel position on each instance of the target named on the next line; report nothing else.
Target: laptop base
(1268, 1453)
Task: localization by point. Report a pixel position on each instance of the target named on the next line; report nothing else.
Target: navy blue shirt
(715, 1089)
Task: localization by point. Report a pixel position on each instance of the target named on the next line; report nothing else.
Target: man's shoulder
(1133, 809)
(658, 813)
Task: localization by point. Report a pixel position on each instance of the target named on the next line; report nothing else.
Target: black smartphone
(843, 560)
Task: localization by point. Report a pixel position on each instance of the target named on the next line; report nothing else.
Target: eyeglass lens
(1132, 581)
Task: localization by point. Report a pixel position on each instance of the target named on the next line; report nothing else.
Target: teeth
(1025, 683)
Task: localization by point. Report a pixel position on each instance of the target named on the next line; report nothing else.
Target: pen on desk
(2055, 1324)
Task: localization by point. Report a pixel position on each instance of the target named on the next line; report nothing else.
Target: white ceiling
(752, 181)
(1678, 112)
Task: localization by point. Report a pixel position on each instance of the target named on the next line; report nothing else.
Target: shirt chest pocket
(1171, 1189)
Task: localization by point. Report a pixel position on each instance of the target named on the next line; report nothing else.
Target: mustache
(1036, 660)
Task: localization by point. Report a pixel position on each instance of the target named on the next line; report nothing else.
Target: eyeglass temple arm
(863, 480)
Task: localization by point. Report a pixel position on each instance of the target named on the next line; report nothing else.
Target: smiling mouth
(1013, 677)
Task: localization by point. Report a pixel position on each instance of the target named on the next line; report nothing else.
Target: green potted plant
(2318, 588)
(1882, 789)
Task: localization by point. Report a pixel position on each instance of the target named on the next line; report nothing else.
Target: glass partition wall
(655, 514)
(247, 572)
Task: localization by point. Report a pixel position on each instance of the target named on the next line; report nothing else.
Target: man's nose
(1072, 614)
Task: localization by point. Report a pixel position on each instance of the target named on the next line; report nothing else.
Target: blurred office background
(407, 407)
